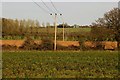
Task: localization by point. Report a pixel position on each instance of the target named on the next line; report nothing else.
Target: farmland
(40, 33)
(45, 30)
(62, 64)
(79, 46)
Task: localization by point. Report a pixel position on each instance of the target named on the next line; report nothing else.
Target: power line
(55, 7)
(47, 7)
(60, 17)
(46, 10)
(41, 7)
(55, 40)
(57, 10)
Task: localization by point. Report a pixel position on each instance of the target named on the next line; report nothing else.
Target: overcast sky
(82, 13)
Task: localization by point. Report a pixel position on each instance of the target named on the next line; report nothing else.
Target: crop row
(87, 64)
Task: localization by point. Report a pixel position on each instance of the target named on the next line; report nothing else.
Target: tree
(37, 26)
(111, 20)
(0, 28)
(47, 24)
(43, 24)
(101, 34)
(21, 27)
(47, 27)
(32, 27)
(17, 26)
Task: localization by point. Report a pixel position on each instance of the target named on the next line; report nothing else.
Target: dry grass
(106, 44)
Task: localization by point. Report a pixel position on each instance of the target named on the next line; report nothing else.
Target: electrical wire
(41, 7)
(50, 10)
(60, 19)
(57, 11)
(55, 7)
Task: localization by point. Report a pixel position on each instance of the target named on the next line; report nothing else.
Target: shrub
(47, 44)
(98, 46)
(72, 47)
(82, 46)
(28, 44)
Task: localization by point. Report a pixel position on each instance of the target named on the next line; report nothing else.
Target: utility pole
(55, 41)
(55, 36)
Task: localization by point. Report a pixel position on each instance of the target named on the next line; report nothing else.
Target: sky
(81, 13)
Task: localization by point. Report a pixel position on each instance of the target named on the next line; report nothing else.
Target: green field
(48, 64)
(67, 30)
(49, 32)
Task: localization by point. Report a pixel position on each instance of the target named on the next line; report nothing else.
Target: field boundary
(105, 44)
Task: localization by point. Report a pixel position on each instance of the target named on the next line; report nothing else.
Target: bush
(98, 46)
(47, 44)
(29, 44)
(72, 47)
(82, 46)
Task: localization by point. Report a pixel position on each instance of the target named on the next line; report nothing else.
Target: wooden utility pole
(55, 37)
(55, 41)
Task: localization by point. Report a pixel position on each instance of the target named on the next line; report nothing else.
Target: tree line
(110, 21)
(103, 29)
(18, 29)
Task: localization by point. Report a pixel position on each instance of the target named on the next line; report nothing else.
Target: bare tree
(111, 20)
(16, 23)
(47, 27)
(37, 26)
(43, 24)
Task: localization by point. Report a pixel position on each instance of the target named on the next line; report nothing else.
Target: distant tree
(10, 26)
(111, 20)
(16, 23)
(60, 26)
(32, 27)
(4, 27)
(37, 25)
(0, 27)
(75, 26)
(65, 26)
(101, 34)
(47, 24)
(21, 27)
(28, 25)
(47, 27)
(43, 24)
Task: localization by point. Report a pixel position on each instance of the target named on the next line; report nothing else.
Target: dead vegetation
(45, 44)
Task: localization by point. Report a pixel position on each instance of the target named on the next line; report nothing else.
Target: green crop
(50, 64)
